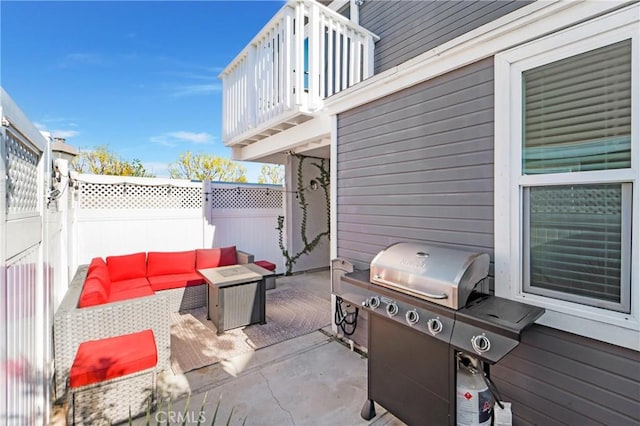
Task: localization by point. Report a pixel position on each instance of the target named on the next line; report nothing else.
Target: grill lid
(440, 275)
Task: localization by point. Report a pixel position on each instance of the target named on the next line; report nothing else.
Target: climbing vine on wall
(309, 243)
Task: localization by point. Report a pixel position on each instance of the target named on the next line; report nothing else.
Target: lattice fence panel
(245, 198)
(22, 177)
(137, 196)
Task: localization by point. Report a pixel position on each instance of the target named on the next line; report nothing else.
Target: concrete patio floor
(312, 379)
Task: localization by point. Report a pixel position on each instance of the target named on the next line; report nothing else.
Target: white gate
(24, 304)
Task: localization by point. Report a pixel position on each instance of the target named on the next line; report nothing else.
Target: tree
(101, 161)
(207, 167)
(271, 173)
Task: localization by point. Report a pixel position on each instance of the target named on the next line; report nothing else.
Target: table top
(224, 276)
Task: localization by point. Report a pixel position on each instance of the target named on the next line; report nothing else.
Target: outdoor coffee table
(235, 295)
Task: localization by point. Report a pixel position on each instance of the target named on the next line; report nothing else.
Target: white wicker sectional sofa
(92, 310)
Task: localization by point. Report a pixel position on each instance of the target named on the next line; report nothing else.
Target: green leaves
(207, 167)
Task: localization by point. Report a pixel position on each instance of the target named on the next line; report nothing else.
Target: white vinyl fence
(247, 216)
(112, 215)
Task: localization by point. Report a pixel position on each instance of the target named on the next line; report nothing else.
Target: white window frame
(618, 328)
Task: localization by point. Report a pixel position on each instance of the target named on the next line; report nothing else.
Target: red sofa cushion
(117, 286)
(166, 282)
(106, 359)
(127, 266)
(165, 263)
(266, 265)
(93, 293)
(131, 293)
(212, 258)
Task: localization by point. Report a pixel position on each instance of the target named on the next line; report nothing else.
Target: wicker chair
(73, 326)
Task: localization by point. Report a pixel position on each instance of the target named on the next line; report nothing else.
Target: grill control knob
(374, 302)
(392, 309)
(435, 326)
(480, 343)
(412, 316)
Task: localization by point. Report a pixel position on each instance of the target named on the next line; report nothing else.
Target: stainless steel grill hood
(439, 275)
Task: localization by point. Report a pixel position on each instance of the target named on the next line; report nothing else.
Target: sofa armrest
(73, 325)
(244, 257)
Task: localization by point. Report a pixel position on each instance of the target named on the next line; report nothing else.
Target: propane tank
(474, 402)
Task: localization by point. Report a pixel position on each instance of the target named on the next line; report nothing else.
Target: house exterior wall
(317, 215)
(409, 28)
(418, 166)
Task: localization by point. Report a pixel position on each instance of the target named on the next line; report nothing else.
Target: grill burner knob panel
(480, 343)
(435, 326)
(392, 309)
(412, 317)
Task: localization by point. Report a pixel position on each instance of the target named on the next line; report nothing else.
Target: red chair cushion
(266, 265)
(131, 293)
(106, 359)
(212, 258)
(164, 263)
(166, 282)
(127, 266)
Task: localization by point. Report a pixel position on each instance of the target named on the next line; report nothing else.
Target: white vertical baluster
(322, 57)
(288, 57)
(299, 48)
(330, 58)
(314, 57)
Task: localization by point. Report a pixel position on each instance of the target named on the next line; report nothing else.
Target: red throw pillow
(128, 266)
(165, 263)
(212, 258)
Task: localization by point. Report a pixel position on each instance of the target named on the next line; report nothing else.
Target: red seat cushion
(212, 258)
(117, 286)
(266, 265)
(167, 282)
(127, 266)
(165, 263)
(131, 293)
(106, 359)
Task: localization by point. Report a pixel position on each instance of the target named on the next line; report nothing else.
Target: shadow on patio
(312, 378)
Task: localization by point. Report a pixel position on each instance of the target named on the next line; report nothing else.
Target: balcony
(306, 53)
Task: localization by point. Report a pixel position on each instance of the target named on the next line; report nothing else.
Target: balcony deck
(306, 53)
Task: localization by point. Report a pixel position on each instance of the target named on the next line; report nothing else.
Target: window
(567, 175)
(576, 118)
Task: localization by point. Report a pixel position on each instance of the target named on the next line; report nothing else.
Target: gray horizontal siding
(410, 28)
(418, 166)
(555, 378)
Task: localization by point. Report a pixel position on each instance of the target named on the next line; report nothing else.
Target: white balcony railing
(306, 53)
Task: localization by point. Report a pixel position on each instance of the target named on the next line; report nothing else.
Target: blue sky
(138, 77)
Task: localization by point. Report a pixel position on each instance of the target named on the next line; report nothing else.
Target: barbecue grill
(423, 311)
